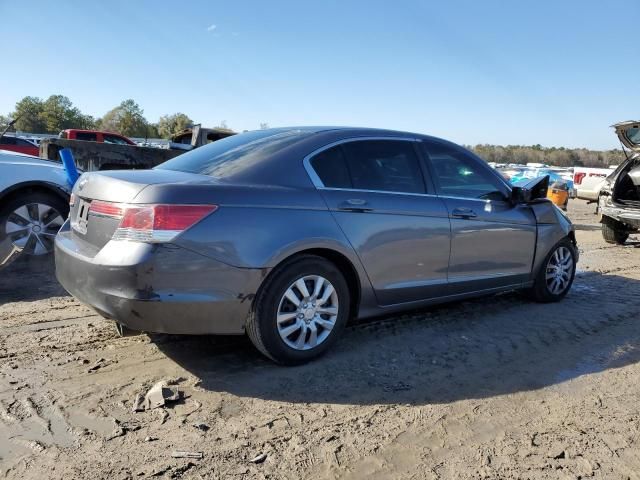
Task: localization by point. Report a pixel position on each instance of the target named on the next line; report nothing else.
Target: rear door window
(86, 136)
(114, 139)
(331, 166)
(384, 165)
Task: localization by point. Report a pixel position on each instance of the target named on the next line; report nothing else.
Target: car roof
(346, 129)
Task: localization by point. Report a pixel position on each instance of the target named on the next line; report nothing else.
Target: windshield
(235, 154)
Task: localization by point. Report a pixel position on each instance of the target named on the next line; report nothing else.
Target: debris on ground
(201, 426)
(138, 403)
(259, 458)
(99, 364)
(181, 454)
(157, 396)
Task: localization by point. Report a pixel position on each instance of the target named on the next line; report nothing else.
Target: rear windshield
(633, 134)
(235, 154)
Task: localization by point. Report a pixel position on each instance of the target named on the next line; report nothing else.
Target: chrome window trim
(315, 179)
(430, 195)
(377, 191)
(484, 200)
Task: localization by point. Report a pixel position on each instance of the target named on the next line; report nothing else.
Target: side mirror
(520, 195)
(530, 191)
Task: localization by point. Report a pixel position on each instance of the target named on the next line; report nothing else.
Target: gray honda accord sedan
(285, 234)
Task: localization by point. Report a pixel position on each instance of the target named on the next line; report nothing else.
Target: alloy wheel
(559, 271)
(33, 227)
(307, 312)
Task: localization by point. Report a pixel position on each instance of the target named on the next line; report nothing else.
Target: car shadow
(29, 278)
(589, 227)
(474, 349)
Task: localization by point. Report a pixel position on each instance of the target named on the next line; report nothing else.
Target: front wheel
(300, 311)
(556, 275)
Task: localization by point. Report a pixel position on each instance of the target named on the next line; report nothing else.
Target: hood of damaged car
(629, 134)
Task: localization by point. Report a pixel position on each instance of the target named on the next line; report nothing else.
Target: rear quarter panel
(259, 228)
(256, 226)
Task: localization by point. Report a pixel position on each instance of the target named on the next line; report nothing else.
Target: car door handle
(355, 205)
(463, 213)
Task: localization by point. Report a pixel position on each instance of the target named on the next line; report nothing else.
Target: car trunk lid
(629, 134)
(95, 213)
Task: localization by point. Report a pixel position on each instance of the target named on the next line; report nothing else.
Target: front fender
(552, 225)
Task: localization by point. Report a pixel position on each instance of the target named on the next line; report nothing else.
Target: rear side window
(114, 139)
(331, 166)
(459, 174)
(236, 154)
(386, 165)
(86, 136)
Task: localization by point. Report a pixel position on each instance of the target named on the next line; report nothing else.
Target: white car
(34, 202)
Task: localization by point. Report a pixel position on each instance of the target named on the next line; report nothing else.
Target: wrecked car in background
(96, 151)
(285, 234)
(559, 187)
(34, 202)
(619, 197)
(196, 136)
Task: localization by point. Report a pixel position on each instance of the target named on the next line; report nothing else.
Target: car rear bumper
(628, 216)
(157, 287)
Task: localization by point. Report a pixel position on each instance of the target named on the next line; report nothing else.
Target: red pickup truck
(95, 136)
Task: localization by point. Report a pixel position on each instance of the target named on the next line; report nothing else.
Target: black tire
(262, 325)
(614, 232)
(540, 292)
(25, 198)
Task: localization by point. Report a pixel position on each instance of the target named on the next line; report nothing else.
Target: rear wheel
(556, 275)
(300, 311)
(614, 231)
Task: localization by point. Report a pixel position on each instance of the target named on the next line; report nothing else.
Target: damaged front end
(619, 198)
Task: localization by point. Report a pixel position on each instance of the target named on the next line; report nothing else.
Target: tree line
(556, 156)
(57, 113)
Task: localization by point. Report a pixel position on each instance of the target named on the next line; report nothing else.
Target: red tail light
(151, 223)
(577, 178)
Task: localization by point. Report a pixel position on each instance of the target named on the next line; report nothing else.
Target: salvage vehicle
(34, 202)
(619, 197)
(559, 188)
(197, 136)
(95, 136)
(285, 234)
(11, 143)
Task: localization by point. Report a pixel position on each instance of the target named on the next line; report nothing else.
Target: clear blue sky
(482, 71)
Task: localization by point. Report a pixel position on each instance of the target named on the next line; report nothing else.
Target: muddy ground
(492, 388)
